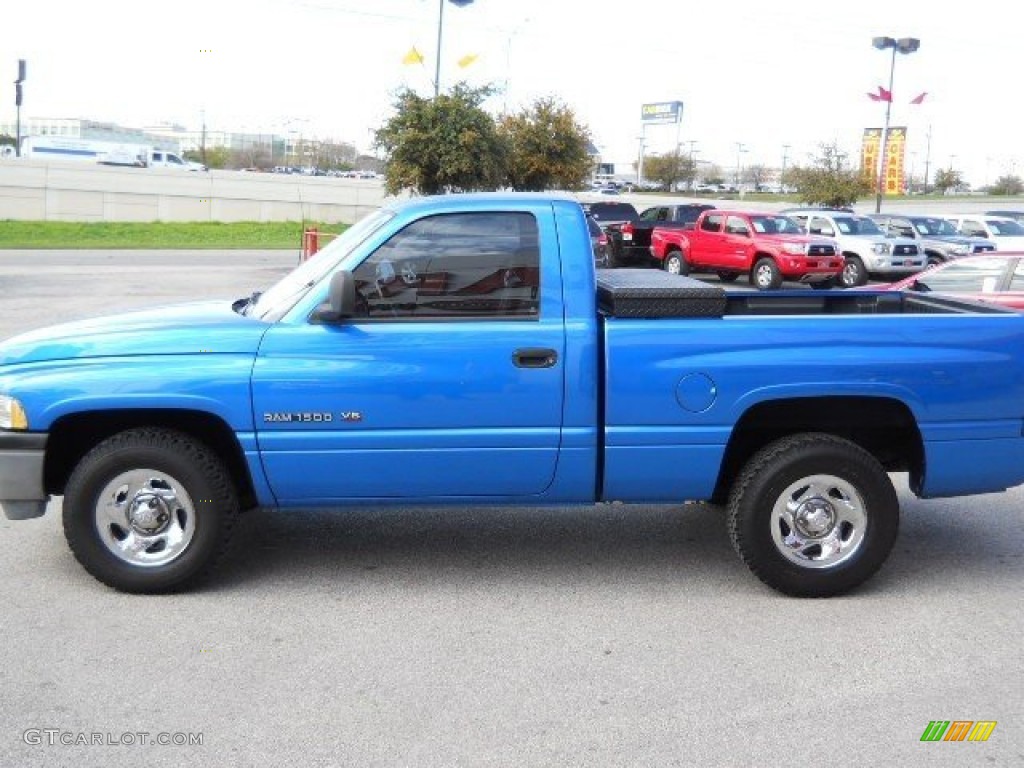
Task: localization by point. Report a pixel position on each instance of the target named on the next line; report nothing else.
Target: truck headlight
(881, 248)
(12, 414)
(797, 249)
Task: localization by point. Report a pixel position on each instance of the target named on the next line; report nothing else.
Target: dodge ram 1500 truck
(767, 247)
(455, 350)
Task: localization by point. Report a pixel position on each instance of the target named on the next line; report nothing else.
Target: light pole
(901, 45)
(740, 149)
(18, 95)
(782, 173)
(440, 28)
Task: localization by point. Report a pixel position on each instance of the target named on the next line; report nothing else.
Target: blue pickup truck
(459, 350)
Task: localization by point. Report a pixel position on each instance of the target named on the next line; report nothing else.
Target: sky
(754, 76)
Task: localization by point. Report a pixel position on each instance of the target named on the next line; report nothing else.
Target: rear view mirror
(341, 299)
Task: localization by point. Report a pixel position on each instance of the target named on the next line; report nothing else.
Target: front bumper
(22, 455)
(897, 265)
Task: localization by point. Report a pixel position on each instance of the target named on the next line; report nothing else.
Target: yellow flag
(468, 59)
(413, 57)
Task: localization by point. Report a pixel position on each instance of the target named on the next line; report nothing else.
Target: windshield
(857, 225)
(935, 227)
(603, 212)
(775, 225)
(282, 295)
(1005, 227)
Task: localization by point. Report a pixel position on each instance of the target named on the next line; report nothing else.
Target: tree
(946, 179)
(216, 157)
(1007, 185)
(714, 175)
(755, 175)
(444, 144)
(670, 169)
(547, 148)
(828, 181)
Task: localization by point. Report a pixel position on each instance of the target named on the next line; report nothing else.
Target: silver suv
(867, 250)
(937, 237)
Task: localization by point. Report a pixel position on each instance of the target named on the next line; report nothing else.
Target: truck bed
(647, 293)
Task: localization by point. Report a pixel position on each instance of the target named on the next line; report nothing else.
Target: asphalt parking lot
(601, 636)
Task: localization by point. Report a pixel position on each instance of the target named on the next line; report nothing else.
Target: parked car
(1005, 233)
(631, 242)
(1015, 215)
(867, 251)
(599, 243)
(997, 278)
(935, 236)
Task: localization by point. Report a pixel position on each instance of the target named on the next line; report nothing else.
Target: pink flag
(884, 95)
(874, 97)
(919, 99)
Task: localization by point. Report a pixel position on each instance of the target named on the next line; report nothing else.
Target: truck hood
(185, 329)
(955, 240)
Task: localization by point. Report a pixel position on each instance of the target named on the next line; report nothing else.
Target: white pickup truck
(867, 250)
(1002, 231)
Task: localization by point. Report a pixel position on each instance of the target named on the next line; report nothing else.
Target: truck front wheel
(854, 274)
(813, 515)
(766, 275)
(675, 263)
(149, 510)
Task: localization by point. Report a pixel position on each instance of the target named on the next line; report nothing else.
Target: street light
(740, 149)
(901, 45)
(440, 27)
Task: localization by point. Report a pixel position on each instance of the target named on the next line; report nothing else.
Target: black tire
(934, 261)
(728, 277)
(854, 273)
(612, 258)
(675, 263)
(766, 275)
(163, 487)
(797, 558)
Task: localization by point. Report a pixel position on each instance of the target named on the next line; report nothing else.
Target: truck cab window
(464, 265)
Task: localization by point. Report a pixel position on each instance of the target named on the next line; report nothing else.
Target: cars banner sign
(662, 112)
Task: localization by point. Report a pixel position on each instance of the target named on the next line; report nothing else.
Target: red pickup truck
(767, 247)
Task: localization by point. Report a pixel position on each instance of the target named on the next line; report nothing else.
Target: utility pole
(17, 104)
(782, 173)
(927, 158)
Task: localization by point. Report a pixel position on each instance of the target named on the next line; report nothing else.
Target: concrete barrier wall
(38, 191)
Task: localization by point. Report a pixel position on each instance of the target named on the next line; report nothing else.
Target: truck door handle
(534, 357)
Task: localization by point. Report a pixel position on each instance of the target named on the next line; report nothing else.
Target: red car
(996, 277)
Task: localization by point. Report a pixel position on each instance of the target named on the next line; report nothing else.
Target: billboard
(895, 157)
(662, 112)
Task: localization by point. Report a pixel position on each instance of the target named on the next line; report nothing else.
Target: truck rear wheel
(675, 263)
(149, 510)
(766, 275)
(813, 515)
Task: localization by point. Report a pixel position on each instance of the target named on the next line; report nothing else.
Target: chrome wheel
(145, 517)
(853, 274)
(674, 264)
(819, 521)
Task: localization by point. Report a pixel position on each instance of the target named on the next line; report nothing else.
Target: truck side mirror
(341, 299)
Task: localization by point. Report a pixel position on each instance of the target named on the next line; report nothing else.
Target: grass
(188, 234)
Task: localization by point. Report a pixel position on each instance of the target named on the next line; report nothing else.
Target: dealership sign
(662, 112)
